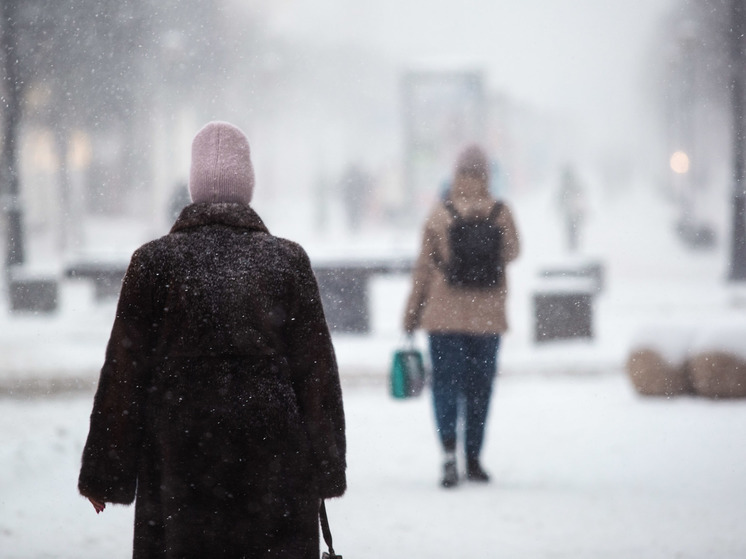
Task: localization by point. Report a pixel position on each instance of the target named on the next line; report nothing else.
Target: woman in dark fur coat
(219, 407)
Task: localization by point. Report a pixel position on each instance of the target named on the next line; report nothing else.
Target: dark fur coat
(219, 406)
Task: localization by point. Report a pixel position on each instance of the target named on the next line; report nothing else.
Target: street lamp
(738, 246)
(8, 157)
(679, 162)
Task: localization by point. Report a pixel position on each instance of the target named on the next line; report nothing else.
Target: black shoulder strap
(495, 210)
(448, 203)
(325, 529)
(437, 257)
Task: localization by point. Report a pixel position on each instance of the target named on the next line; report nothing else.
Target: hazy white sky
(579, 56)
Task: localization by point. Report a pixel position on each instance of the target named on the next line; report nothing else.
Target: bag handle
(408, 341)
(326, 531)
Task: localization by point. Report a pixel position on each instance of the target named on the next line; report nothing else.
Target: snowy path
(583, 468)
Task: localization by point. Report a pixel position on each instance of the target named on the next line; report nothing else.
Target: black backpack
(476, 250)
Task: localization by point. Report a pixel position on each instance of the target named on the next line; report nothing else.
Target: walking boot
(450, 473)
(474, 471)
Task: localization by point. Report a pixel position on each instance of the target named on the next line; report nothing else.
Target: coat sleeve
(422, 276)
(109, 465)
(316, 381)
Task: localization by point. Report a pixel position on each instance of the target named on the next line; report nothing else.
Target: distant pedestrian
(355, 186)
(464, 321)
(572, 206)
(219, 408)
(178, 200)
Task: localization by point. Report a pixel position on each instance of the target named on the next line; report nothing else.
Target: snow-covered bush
(653, 375)
(704, 359)
(657, 364)
(717, 366)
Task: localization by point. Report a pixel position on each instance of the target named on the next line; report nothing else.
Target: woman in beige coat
(464, 324)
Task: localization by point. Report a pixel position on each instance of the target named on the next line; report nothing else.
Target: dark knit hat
(221, 168)
(473, 162)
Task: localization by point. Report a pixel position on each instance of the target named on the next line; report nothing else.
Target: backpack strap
(437, 257)
(495, 210)
(448, 203)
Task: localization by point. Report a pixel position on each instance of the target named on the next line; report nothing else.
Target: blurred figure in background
(219, 407)
(572, 206)
(178, 200)
(355, 186)
(463, 309)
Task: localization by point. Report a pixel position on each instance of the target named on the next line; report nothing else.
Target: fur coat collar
(222, 213)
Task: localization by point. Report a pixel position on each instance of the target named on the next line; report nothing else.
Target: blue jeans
(464, 368)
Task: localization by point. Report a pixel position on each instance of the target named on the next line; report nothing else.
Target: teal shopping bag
(407, 373)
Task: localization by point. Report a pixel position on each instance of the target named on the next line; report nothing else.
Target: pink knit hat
(221, 165)
(473, 161)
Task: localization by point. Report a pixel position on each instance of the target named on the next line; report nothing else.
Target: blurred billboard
(444, 110)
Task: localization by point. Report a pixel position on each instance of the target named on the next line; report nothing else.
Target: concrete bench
(563, 299)
(35, 293)
(106, 276)
(563, 308)
(344, 290)
(588, 269)
(343, 285)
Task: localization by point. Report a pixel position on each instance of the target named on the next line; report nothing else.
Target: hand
(409, 323)
(98, 505)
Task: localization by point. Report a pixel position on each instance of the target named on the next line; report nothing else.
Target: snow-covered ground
(582, 466)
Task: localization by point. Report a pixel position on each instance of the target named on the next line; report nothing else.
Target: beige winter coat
(436, 306)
